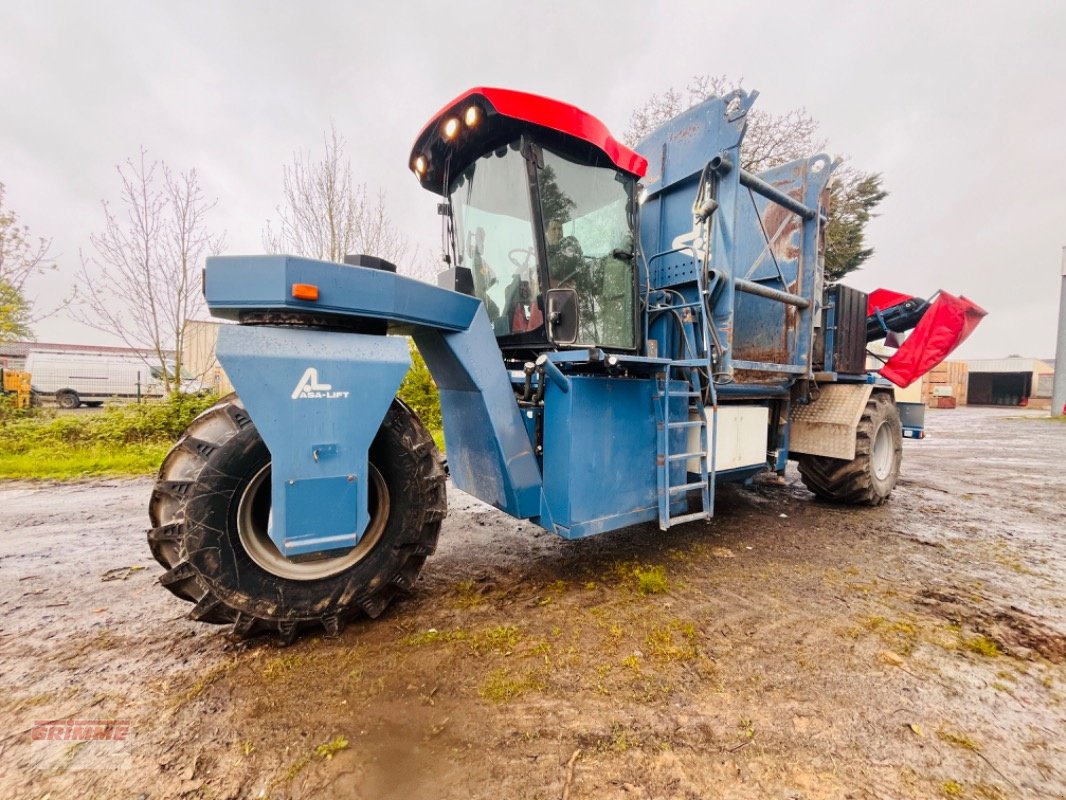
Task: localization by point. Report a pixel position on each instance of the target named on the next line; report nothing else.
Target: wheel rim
(253, 516)
(883, 454)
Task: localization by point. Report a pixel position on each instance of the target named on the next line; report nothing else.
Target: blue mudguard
(317, 399)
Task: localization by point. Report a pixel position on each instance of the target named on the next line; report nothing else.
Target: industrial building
(198, 355)
(1012, 381)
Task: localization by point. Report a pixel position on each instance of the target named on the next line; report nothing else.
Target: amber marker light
(305, 291)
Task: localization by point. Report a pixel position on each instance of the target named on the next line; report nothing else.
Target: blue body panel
(749, 237)
(490, 454)
(317, 400)
(599, 455)
(241, 283)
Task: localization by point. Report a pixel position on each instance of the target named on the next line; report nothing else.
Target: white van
(73, 379)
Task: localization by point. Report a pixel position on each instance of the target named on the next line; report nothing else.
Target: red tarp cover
(944, 327)
(883, 299)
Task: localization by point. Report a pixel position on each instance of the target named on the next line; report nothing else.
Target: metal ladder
(687, 387)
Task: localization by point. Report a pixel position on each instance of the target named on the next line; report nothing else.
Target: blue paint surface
(317, 399)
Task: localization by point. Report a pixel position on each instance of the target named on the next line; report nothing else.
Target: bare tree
(771, 139)
(326, 214)
(774, 139)
(22, 257)
(141, 279)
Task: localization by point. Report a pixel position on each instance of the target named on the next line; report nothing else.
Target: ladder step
(685, 487)
(686, 456)
(689, 517)
(680, 394)
(692, 423)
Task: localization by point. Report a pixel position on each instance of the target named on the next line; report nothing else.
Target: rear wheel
(870, 477)
(209, 514)
(68, 400)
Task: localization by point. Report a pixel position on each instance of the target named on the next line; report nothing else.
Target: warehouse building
(198, 355)
(1013, 381)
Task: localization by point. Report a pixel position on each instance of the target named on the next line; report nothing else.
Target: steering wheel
(525, 253)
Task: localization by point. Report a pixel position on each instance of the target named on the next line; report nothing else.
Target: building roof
(22, 349)
(1011, 364)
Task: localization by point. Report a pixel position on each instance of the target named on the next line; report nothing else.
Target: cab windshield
(581, 230)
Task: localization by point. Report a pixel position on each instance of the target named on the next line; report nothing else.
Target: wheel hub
(253, 521)
(882, 455)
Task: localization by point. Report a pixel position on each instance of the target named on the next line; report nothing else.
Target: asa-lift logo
(309, 388)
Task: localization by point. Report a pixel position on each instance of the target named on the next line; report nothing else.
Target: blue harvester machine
(617, 332)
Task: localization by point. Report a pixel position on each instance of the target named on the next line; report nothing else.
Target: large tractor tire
(870, 477)
(209, 513)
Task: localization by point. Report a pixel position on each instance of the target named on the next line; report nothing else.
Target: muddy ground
(790, 649)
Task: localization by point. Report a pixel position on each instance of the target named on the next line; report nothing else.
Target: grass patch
(329, 749)
(502, 685)
(645, 579)
(433, 636)
(500, 639)
(122, 440)
(958, 739)
(674, 641)
(651, 580)
(276, 667)
(326, 751)
(901, 634)
(467, 594)
(981, 645)
(70, 462)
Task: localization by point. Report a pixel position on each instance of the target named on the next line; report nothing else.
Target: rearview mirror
(562, 316)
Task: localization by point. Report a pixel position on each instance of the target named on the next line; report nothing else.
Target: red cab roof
(521, 107)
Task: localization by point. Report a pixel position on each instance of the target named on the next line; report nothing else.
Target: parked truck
(618, 332)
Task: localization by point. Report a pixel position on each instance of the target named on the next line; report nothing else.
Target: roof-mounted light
(419, 166)
(450, 128)
(472, 116)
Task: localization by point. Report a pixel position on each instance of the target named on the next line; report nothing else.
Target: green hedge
(134, 424)
(420, 392)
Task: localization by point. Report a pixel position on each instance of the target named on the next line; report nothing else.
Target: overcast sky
(961, 106)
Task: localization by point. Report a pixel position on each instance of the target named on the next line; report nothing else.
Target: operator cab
(539, 218)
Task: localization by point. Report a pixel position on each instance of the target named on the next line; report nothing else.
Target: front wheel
(209, 514)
